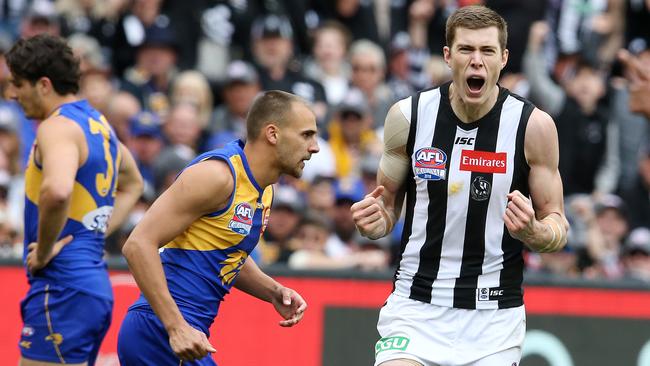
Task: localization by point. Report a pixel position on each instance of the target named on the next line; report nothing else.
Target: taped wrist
(558, 235)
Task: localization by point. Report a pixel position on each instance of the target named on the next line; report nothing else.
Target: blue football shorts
(63, 325)
(143, 341)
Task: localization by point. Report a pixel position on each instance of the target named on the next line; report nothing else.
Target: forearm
(549, 234)
(256, 283)
(146, 267)
(545, 92)
(124, 202)
(52, 215)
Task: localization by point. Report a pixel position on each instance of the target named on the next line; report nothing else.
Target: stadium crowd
(176, 78)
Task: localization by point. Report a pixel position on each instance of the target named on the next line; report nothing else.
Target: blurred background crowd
(176, 77)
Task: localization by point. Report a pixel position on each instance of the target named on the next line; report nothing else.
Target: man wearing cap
(636, 252)
(145, 143)
(272, 42)
(229, 119)
(151, 77)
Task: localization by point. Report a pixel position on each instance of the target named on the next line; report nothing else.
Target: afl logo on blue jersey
(242, 220)
(430, 163)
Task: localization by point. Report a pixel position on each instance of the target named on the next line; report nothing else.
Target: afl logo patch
(430, 163)
(242, 220)
(27, 331)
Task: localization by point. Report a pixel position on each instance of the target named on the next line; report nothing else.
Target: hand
(537, 34)
(369, 215)
(638, 75)
(34, 263)
(290, 305)
(189, 343)
(520, 217)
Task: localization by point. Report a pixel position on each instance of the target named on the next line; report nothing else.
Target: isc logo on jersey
(242, 220)
(430, 163)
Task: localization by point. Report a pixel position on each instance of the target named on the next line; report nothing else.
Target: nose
(10, 92)
(476, 60)
(314, 148)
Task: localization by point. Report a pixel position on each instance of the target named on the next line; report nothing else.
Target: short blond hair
(273, 106)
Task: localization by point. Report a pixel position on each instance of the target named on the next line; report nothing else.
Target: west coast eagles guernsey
(202, 263)
(79, 265)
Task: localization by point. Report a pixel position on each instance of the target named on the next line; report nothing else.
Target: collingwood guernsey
(456, 250)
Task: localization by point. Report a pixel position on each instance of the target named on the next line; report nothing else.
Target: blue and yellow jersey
(202, 263)
(80, 265)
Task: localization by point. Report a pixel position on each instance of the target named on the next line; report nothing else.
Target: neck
(470, 112)
(331, 68)
(56, 101)
(258, 155)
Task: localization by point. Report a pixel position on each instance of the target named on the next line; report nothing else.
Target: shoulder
(540, 126)
(208, 182)
(396, 126)
(541, 141)
(58, 127)
(213, 169)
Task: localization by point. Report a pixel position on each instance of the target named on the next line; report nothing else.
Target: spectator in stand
(239, 90)
(351, 135)
(287, 209)
(151, 77)
(96, 18)
(95, 84)
(636, 256)
(633, 134)
(321, 196)
(272, 42)
(638, 74)
(347, 192)
(368, 71)
(120, 108)
(579, 109)
(146, 142)
(399, 66)
(183, 127)
(41, 18)
(607, 228)
(311, 248)
(329, 64)
(193, 88)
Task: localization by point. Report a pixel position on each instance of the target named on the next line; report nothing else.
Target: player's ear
(446, 55)
(271, 133)
(504, 58)
(44, 85)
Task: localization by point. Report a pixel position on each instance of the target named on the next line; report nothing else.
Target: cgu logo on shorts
(242, 220)
(430, 163)
(391, 343)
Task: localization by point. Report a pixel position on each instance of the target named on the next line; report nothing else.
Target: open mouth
(475, 83)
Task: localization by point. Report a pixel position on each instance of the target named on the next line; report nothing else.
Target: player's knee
(401, 362)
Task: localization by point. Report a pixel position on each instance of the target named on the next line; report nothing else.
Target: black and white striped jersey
(456, 250)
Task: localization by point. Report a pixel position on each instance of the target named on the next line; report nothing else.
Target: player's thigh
(28, 362)
(507, 357)
(401, 362)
